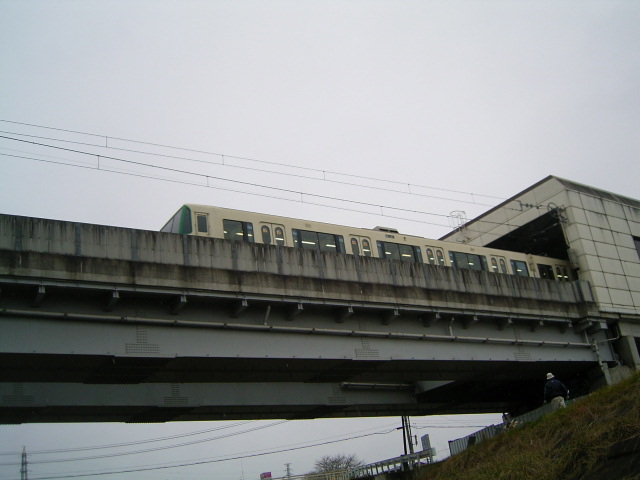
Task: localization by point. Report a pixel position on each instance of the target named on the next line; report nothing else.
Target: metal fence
(461, 444)
(402, 463)
(338, 475)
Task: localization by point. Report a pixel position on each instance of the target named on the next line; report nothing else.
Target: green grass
(562, 445)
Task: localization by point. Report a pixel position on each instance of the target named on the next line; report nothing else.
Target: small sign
(426, 444)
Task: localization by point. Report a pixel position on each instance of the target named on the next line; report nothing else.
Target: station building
(597, 231)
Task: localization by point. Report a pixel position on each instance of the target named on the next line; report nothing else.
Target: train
(379, 242)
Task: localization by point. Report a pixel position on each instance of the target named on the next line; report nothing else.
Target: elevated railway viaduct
(102, 323)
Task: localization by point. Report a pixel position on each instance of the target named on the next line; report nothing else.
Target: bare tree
(332, 463)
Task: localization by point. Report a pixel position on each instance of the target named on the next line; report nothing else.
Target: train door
(562, 273)
(360, 245)
(545, 271)
(202, 224)
(435, 256)
(272, 234)
(520, 268)
(498, 264)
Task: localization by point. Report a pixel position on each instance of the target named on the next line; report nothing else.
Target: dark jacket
(554, 388)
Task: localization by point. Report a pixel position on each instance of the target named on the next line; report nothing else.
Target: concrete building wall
(599, 228)
(600, 232)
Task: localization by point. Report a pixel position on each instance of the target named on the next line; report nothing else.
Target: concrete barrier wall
(67, 250)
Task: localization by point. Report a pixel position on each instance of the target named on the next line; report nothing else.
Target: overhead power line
(208, 461)
(127, 444)
(207, 178)
(248, 159)
(293, 175)
(155, 449)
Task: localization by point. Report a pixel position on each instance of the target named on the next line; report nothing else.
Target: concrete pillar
(628, 350)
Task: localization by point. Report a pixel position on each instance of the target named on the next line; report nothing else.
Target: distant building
(598, 231)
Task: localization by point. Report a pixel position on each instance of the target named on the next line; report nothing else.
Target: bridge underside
(68, 356)
(85, 388)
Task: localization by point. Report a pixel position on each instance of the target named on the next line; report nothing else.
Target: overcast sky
(363, 113)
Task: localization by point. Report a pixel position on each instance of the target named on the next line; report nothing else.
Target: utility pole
(288, 465)
(407, 438)
(23, 466)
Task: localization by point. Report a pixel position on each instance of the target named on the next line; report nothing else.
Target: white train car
(379, 242)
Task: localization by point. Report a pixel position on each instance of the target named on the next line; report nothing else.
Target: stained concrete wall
(31, 247)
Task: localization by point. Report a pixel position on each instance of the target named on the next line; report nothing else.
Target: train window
(236, 230)
(503, 266)
(328, 242)
(565, 274)
(201, 222)
(266, 234)
(545, 271)
(519, 268)
(308, 240)
(279, 231)
(355, 248)
(382, 252)
(168, 227)
(431, 258)
(440, 257)
(366, 247)
(325, 242)
(410, 253)
(180, 222)
(398, 251)
(468, 260)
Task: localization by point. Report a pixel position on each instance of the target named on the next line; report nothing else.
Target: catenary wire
(244, 158)
(207, 177)
(212, 177)
(262, 195)
(293, 175)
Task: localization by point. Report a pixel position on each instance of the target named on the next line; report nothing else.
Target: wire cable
(245, 159)
(155, 449)
(292, 175)
(211, 177)
(209, 461)
(205, 176)
(262, 195)
(127, 444)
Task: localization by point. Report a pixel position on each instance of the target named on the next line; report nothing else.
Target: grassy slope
(562, 445)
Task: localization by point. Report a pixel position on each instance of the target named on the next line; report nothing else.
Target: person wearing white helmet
(555, 392)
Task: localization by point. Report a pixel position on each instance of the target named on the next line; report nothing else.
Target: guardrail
(402, 463)
(337, 475)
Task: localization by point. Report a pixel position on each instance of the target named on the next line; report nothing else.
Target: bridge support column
(628, 350)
